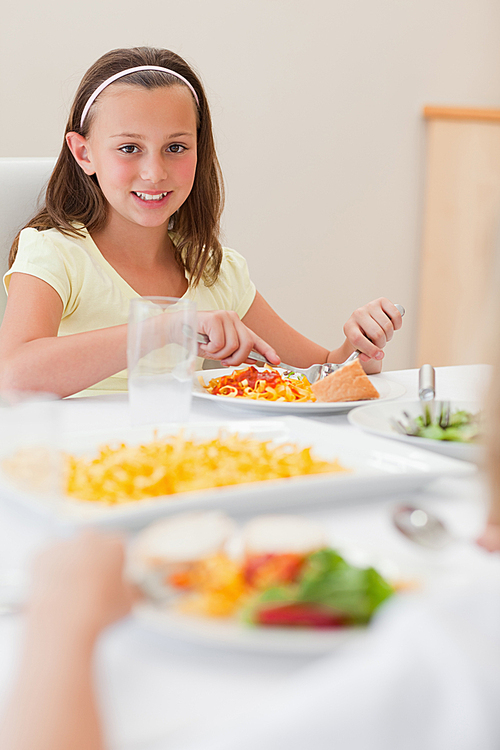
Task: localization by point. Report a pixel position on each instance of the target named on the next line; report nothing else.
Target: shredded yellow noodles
(268, 385)
(176, 464)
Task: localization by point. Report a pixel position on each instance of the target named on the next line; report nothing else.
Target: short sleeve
(235, 277)
(39, 255)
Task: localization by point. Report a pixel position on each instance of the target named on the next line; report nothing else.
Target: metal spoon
(421, 527)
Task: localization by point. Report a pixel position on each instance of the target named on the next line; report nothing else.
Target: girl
(132, 209)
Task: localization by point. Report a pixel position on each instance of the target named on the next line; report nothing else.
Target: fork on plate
(411, 427)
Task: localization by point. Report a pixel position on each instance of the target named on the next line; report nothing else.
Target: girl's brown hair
(72, 196)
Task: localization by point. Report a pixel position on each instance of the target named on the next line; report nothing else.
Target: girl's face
(142, 148)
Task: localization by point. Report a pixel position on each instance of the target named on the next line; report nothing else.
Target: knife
(427, 392)
(202, 338)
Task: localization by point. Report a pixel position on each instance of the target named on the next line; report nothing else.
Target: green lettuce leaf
(327, 579)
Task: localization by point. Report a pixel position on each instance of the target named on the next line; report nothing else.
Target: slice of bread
(278, 534)
(181, 539)
(349, 383)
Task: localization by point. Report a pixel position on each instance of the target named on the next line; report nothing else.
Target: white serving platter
(377, 467)
(387, 389)
(376, 418)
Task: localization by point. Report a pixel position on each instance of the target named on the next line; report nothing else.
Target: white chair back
(22, 187)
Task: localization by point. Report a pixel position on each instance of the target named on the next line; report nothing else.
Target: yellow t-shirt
(95, 296)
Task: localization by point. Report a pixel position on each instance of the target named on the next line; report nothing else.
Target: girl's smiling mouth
(152, 199)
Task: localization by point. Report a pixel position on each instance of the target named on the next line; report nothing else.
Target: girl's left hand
(370, 328)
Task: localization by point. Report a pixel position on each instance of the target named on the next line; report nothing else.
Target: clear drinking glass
(31, 473)
(161, 356)
(30, 441)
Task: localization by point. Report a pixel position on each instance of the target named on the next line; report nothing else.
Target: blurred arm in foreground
(78, 590)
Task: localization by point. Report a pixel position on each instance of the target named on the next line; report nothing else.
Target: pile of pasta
(267, 385)
(177, 464)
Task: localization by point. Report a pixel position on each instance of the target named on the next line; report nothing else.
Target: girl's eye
(129, 149)
(176, 148)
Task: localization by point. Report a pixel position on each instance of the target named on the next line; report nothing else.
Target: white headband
(127, 72)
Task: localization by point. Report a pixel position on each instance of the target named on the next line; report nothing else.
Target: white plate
(376, 419)
(377, 467)
(230, 634)
(387, 388)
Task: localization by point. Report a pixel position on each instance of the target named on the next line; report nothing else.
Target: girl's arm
(368, 329)
(33, 357)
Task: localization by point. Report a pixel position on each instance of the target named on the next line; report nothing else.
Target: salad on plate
(460, 426)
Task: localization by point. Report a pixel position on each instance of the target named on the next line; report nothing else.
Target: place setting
(285, 389)
(451, 427)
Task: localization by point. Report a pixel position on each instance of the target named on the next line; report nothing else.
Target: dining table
(159, 690)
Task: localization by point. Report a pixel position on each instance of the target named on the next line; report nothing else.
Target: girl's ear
(77, 144)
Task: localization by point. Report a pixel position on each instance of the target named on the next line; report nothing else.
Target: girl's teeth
(147, 197)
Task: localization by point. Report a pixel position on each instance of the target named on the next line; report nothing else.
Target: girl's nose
(153, 170)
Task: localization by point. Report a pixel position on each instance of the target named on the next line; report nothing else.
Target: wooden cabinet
(461, 233)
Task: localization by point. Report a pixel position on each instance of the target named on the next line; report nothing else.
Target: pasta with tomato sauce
(267, 385)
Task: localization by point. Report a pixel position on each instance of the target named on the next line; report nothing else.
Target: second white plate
(377, 419)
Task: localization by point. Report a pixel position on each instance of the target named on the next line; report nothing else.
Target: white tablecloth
(159, 692)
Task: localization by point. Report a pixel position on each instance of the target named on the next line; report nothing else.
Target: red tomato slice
(263, 571)
(302, 614)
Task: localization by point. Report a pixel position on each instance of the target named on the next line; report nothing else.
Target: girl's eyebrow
(142, 137)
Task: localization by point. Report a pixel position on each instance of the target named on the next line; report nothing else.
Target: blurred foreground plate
(415, 570)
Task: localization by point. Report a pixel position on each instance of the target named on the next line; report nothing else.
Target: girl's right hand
(230, 340)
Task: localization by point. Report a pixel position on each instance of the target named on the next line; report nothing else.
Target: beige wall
(317, 109)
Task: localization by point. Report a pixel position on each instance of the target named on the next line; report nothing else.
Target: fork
(318, 372)
(312, 373)
(411, 427)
